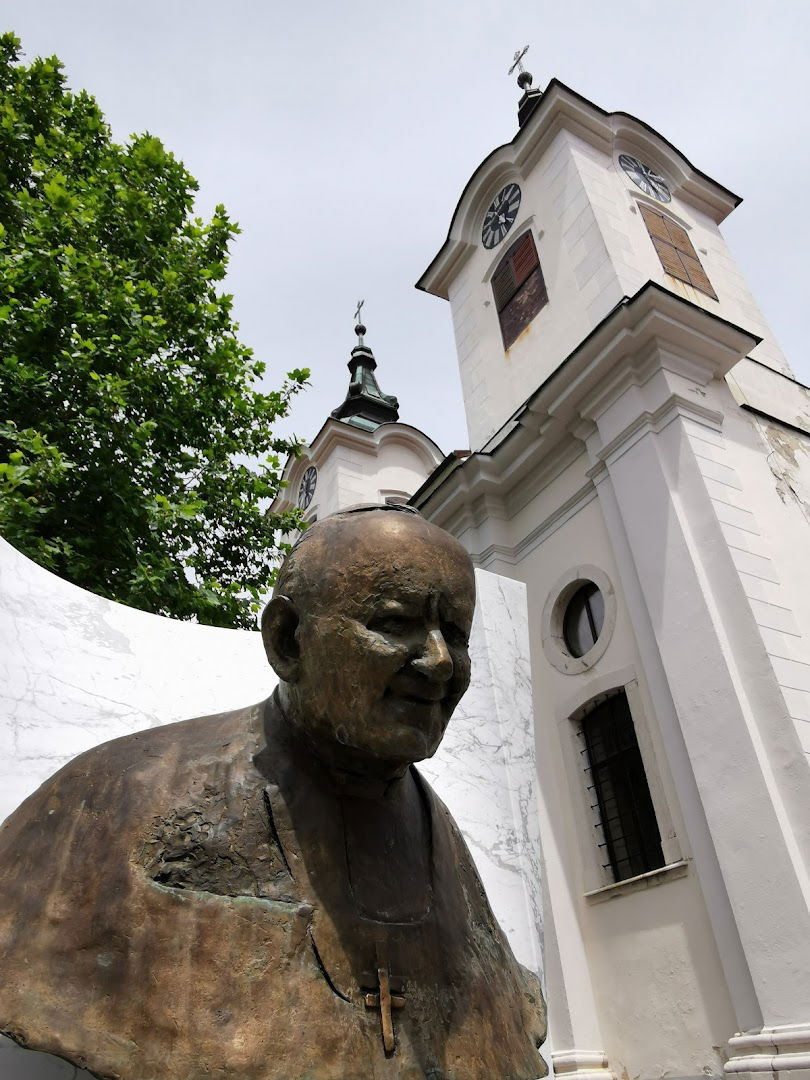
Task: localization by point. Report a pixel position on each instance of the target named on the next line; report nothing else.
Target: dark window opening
(678, 256)
(631, 841)
(518, 288)
(583, 619)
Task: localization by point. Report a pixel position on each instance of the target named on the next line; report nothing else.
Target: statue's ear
(279, 634)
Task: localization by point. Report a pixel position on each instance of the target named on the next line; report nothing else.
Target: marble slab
(77, 670)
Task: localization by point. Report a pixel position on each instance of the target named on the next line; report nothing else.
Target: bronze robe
(168, 912)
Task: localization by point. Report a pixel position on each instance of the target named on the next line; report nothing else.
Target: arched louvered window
(518, 288)
(675, 250)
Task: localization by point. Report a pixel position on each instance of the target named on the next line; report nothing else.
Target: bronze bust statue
(275, 893)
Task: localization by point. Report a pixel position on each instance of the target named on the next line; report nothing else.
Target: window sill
(639, 883)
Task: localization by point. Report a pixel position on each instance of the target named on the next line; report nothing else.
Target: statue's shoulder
(184, 740)
(135, 770)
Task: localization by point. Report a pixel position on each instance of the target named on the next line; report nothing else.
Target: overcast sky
(340, 136)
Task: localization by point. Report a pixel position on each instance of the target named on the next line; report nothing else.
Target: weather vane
(524, 79)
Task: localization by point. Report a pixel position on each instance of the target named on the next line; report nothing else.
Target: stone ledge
(639, 882)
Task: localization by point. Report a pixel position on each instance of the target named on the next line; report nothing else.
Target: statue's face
(384, 651)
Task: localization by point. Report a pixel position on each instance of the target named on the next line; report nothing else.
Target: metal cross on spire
(518, 59)
(359, 329)
(524, 79)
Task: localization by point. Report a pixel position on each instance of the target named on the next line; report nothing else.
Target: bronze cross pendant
(385, 1000)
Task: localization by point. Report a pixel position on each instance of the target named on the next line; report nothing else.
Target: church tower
(641, 461)
(362, 453)
(557, 227)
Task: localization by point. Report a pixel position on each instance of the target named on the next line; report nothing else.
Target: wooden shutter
(656, 226)
(524, 258)
(518, 288)
(678, 256)
(503, 284)
(515, 268)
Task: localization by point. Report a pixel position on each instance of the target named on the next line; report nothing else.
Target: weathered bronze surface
(275, 893)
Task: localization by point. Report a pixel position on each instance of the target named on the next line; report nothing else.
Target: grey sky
(340, 137)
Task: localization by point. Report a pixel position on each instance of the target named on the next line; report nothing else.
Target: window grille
(631, 841)
(518, 288)
(678, 256)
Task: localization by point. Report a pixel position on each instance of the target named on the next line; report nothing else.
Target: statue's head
(368, 632)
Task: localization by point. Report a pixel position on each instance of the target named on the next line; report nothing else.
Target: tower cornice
(655, 330)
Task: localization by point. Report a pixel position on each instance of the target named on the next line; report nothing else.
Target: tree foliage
(136, 453)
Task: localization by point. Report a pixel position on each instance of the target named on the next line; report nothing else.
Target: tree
(136, 453)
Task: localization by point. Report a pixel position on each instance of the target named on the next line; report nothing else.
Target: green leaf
(137, 454)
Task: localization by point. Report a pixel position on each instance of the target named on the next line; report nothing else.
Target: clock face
(307, 487)
(644, 177)
(501, 215)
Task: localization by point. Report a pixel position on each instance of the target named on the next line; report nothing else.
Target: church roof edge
(649, 294)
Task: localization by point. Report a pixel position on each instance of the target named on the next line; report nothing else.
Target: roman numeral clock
(307, 487)
(500, 217)
(644, 177)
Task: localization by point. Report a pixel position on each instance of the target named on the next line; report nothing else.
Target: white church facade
(641, 462)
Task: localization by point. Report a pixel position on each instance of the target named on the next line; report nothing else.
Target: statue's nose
(435, 663)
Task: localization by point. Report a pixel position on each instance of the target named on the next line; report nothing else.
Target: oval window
(583, 619)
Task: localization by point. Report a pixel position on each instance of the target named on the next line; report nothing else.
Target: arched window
(630, 838)
(675, 250)
(518, 288)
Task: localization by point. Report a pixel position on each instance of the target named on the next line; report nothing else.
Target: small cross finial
(359, 329)
(524, 79)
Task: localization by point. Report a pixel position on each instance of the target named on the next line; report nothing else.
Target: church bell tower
(641, 462)
(557, 227)
(363, 453)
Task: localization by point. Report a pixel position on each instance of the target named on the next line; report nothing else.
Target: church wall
(360, 467)
(697, 513)
(614, 199)
(757, 473)
(650, 953)
(645, 951)
(77, 670)
(358, 475)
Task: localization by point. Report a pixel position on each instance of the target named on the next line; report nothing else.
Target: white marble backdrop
(77, 670)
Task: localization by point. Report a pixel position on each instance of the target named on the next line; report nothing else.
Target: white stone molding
(774, 1050)
(639, 883)
(551, 621)
(582, 1065)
